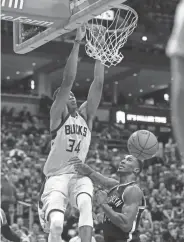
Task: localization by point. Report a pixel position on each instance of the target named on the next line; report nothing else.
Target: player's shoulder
(133, 192)
(82, 109)
(83, 113)
(56, 123)
(175, 44)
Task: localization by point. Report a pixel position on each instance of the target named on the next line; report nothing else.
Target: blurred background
(136, 96)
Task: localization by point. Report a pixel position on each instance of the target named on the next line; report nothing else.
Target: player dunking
(124, 202)
(71, 135)
(175, 51)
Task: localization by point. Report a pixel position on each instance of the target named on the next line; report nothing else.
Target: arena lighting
(33, 64)
(135, 74)
(130, 94)
(152, 86)
(29, 72)
(149, 119)
(8, 77)
(17, 72)
(144, 38)
(166, 97)
(32, 84)
(140, 90)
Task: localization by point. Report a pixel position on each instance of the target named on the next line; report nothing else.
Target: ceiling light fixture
(152, 86)
(32, 84)
(144, 38)
(135, 74)
(140, 90)
(166, 97)
(33, 64)
(17, 72)
(130, 94)
(8, 77)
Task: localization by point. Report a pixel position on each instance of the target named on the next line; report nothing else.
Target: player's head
(71, 102)
(130, 165)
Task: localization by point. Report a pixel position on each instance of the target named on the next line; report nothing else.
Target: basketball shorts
(60, 190)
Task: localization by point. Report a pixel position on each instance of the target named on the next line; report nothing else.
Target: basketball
(143, 144)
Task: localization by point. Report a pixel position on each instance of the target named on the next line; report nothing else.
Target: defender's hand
(25, 239)
(83, 169)
(80, 33)
(101, 197)
(100, 217)
(79, 167)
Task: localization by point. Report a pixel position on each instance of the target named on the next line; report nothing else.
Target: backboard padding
(65, 26)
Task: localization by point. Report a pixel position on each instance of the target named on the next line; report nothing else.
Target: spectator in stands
(24, 114)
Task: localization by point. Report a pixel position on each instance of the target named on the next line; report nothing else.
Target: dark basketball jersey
(115, 201)
(3, 220)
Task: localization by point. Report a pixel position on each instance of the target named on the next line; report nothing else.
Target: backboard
(54, 18)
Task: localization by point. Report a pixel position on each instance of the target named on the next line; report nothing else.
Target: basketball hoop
(114, 35)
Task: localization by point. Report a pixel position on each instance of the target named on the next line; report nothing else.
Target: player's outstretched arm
(97, 178)
(175, 51)
(69, 75)
(124, 220)
(95, 93)
(178, 99)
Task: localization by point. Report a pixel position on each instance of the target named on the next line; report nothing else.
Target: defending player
(124, 202)
(71, 136)
(175, 51)
(7, 232)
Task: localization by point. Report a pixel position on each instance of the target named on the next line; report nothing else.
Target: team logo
(17, 4)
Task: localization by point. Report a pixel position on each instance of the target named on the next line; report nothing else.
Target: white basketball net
(105, 38)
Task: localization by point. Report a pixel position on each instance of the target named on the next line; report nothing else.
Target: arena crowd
(25, 143)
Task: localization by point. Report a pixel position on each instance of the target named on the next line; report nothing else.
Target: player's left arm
(95, 93)
(124, 220)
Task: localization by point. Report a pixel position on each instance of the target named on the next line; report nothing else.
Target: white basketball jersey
(71, 139)
(176, 43)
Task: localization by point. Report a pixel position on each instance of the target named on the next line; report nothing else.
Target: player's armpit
(132, 200)
(95, 91)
